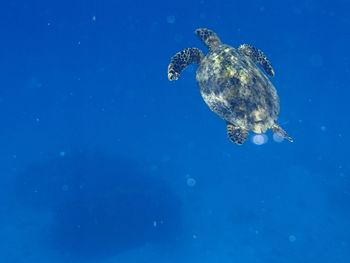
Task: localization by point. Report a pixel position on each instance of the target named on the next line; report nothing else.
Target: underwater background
(102, 159)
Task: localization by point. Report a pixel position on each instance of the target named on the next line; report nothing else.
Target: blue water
(102, 159)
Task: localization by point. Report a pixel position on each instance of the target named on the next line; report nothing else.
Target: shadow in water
(101, 206)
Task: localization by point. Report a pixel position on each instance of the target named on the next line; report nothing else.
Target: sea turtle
(232, 85)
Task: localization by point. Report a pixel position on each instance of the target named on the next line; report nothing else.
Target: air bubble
(292, 238)
(259, 139)
(191, 182)
(171, 19)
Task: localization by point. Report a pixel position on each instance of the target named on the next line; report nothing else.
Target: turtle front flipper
(277, 129)
(258, 57)
(236, 134)
(209, 37)
(181, 60)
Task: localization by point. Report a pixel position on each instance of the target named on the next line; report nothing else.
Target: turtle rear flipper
(258, 57)
(181, 60)
(236, 134)
(277, 129)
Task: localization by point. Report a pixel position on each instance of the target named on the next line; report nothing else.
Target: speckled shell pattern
(237, 90)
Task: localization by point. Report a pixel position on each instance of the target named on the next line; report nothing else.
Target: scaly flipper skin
(181, 60)
(277, 129)
(208, 37)
(236, 134)
(258, 57)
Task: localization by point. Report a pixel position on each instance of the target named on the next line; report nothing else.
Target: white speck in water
(323, 128)
(259, 139)
(93, 18)
(194, 236)
(171, 19)
(292, 238)
(62, 154)
(191, 182)
(154, 223)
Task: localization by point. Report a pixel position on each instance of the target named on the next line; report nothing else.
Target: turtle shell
(237, 90)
